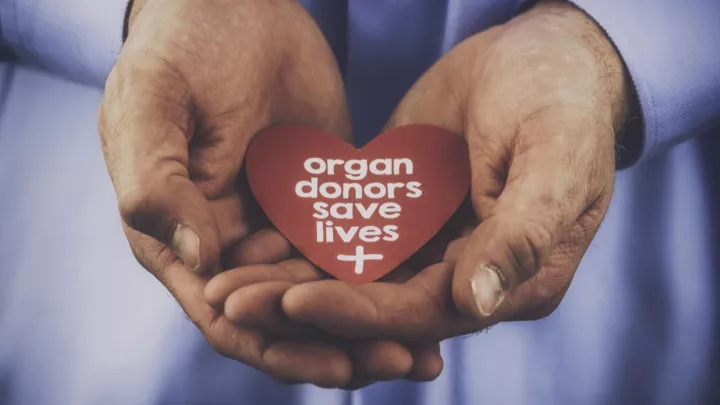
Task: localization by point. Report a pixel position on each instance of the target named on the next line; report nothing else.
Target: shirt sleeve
(671, 51)
(79, 39)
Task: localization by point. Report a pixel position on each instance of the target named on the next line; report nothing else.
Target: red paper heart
(283, 160)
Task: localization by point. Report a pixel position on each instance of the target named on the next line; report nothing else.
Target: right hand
(194, 82)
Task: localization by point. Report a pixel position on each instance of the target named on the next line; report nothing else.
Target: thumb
(145, 135)
(547, 191)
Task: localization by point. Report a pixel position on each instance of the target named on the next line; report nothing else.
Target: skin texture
(195, 81)
(539, 100)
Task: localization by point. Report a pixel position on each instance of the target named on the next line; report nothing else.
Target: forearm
(79, 39)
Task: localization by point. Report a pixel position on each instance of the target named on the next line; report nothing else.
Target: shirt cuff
(670, 50)
(79, 39)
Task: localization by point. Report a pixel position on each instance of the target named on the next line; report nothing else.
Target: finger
(187, 288)
(420, 310)
(427, 363)
(145, 136)
(379, 360)
(455, 249)
(264, 246)
(233, 217)
(546, 192)
(539, 295)
(373, 360)
(318, 363)
(258, 306)
(220, 287)
(400, 275)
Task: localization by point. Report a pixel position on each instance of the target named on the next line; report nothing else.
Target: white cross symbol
(359, 258)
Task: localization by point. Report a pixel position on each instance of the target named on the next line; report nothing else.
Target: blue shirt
(638, 325)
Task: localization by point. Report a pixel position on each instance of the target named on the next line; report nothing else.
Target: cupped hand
(195, 81)
(250, 298)
(539, 100)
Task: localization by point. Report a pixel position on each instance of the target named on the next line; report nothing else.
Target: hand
(250, 296)
(539, 101)
(195, 81)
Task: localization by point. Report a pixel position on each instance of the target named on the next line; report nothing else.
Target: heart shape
(358, 214)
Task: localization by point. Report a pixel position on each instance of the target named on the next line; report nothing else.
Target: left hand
(539, 101)
(249, 297)
(179, 109)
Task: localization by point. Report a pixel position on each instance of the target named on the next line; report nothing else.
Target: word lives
(356, 200)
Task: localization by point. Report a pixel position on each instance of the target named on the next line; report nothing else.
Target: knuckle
(144, 205)
(528, 246)
(137, 203)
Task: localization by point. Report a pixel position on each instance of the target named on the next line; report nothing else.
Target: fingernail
(186, 245)
(487, 286)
